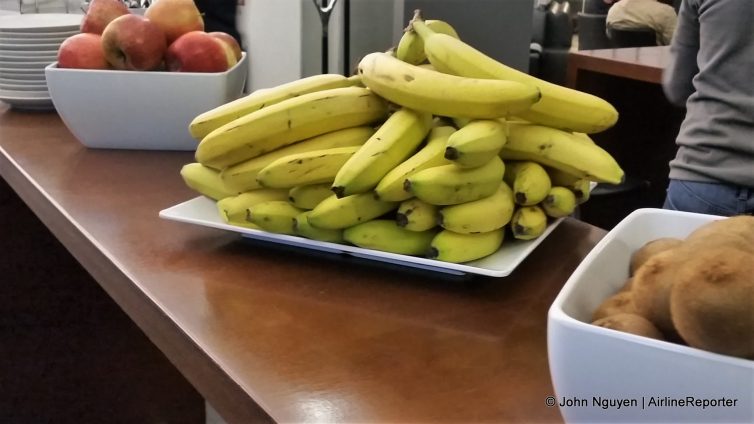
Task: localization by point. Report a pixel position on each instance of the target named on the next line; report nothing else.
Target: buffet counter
(266, 333)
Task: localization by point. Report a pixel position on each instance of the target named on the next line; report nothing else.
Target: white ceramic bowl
(592, 368)
(111, 109)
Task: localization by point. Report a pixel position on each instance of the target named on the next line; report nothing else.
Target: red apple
(100, 13)
(197, 51)
(133, 42)
(175, 17)
(82, 51)
(232, 42)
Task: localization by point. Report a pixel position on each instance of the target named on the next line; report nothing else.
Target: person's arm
(678, 76)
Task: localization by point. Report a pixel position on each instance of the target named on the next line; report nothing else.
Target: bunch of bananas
(436, 160)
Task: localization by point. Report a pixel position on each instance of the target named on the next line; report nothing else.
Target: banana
(243, 176)
(477, 142)
(313, 167)
(528, 222)
(529, 181)
(206, 181)
(275, 216)
(287, 122)
(304, 229)
(411, 47)
(561, 150)
(309, 196)
(221, 115)
(456, 247)
(394, 141)
(480, 216)
(581, 187)
(443, 94)
(559, 107)
(385, 235)
(450, 184)
(233, 209)
(390, 187)
(560, 202)
(416, 215)
(336, 213)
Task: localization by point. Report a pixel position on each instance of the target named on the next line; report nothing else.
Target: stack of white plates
(28, 43)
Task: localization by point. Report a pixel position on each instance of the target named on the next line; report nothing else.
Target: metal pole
(325, 8)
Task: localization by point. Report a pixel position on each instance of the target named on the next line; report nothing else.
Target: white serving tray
(203, 211)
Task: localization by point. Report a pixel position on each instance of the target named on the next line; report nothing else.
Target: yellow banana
(206, 181)
(528, 222)
(234, 208)
(529, 181)
(559, 107)
(385, 235)
(411, 47)
(560, 202)
(443, 94)
(309, 196)
(457, 248)
(287, 122)
(243, 176)
(480, 216)
(477, 142)
(561, 150)
(390, 187)
(393, 142)
(581, 187)
(450, 184)
(221, 115)
(275, 216)
(304, 229)
(335, 213)
(313, 167)
(416, 215)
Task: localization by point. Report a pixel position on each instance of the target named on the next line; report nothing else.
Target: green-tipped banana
(416, 215)
(336, 213)
(233, 209)
(529, 181)
(528, 222)
(479, 216)
(443, 94)
(457, 248)
(243, 176)
(309, 196)
(561, 150)
(394, 141)
(477, 142)
(411, 47)
(221, 115)
(205, 181)
(559, 107)
(304, 229)
(287, 122)
(390, 187)
(385, 235)
(581, 187)
(451, 185)
(560, 202)
(313, 167)
(275, 216)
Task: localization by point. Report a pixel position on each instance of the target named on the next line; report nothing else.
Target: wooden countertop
(639, 63)
(266, 333)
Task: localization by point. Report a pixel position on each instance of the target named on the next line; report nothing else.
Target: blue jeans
(709, 198)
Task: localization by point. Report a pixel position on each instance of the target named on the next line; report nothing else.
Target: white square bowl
(588, 362)
(111, 109)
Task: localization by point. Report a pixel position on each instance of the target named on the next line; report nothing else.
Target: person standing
(710, 73)
(653, 14)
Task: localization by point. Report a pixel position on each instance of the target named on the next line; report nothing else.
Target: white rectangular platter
(203, 211)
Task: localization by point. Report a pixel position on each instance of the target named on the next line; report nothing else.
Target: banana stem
(355, 80)
(417, 25)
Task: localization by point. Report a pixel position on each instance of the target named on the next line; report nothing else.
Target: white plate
(40, 22)
(25, 103)
(6, 57)
(31, 42)
(39, 35)
(23, 87)
(203, 211)
(30, 53)
(34, 94)
(24, 74)
(24, 65)
(20, 81)
(29, 47)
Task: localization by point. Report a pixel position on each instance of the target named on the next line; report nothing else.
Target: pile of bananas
(430, 159)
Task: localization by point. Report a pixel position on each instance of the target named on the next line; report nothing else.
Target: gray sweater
(712, 73)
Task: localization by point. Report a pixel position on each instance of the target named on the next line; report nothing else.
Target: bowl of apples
(133, 81)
